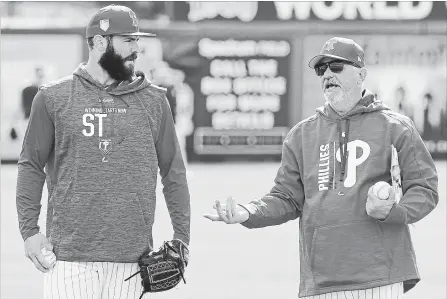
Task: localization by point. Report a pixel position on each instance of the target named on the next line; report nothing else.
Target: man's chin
(333, 99)
(130, 67)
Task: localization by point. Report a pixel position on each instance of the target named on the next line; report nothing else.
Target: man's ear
(100, 42)
(362, 75)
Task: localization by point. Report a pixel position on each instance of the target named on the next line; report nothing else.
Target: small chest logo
(105, 145)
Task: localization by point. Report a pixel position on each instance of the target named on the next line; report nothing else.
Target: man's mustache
(132, 57)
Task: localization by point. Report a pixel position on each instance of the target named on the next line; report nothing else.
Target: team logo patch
(134, 18)
(104, 24)
(105, 145)
(330, 45)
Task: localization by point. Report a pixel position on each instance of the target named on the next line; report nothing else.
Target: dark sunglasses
(335, 67)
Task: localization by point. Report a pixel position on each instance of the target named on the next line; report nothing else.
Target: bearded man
(102, 134)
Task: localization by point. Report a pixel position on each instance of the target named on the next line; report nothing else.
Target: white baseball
(50, 257)
(381, 190)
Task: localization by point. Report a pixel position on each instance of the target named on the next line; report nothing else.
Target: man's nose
(135, 47)
(328, 73)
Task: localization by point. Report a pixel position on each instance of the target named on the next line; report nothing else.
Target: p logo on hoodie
(353, 160)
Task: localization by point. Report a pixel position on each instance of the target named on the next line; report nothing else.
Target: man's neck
(98, 73)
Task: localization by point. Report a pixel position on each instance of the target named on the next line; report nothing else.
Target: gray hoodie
(102, 148)
(341, 246)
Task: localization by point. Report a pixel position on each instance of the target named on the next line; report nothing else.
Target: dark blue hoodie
(341, 246)
(102, 149)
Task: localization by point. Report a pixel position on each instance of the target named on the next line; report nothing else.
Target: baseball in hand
(50, 257)
(381, 190)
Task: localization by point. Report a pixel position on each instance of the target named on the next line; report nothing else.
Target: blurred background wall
(236, 72)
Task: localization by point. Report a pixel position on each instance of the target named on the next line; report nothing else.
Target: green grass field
(227, 261)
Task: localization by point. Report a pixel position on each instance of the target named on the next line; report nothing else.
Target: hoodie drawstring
(343, 138)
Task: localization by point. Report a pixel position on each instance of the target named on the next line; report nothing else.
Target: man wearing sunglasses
(352, 244)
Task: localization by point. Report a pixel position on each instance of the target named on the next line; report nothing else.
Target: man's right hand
(229, 213)
(33, 247)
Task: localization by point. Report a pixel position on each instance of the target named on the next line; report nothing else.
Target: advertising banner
(241, 95)
(295, 11)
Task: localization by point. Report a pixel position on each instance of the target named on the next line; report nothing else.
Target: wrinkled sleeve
(37, 145)
(173, 175)
(285, 200)
(419, 180)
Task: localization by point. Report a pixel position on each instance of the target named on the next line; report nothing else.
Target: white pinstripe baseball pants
(92, 280)
(392, 291)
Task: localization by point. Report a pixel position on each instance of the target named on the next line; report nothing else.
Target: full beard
(335, 100)
(338, 102)
(114, 64)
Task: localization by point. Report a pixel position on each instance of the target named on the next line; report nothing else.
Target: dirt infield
(225, 257)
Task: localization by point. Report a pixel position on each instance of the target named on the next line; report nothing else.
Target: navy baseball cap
(339, 48)
(114, 20)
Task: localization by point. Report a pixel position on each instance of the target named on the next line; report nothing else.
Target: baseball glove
(162, 270)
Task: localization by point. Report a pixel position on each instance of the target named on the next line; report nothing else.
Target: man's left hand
(379, 208)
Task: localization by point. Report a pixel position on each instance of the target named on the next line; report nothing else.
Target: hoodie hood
(368, 103)
(117, 88)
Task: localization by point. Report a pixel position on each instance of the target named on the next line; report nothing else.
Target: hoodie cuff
(397, 215)
(30, 233)
(182, 238)
(252, 216)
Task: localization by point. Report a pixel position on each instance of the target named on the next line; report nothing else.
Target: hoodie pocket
(111, 224)
(349, 254)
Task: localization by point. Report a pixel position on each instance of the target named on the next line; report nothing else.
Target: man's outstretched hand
(229, 213)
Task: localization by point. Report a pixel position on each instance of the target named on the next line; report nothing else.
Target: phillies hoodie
(102, 148)
(328, 164)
